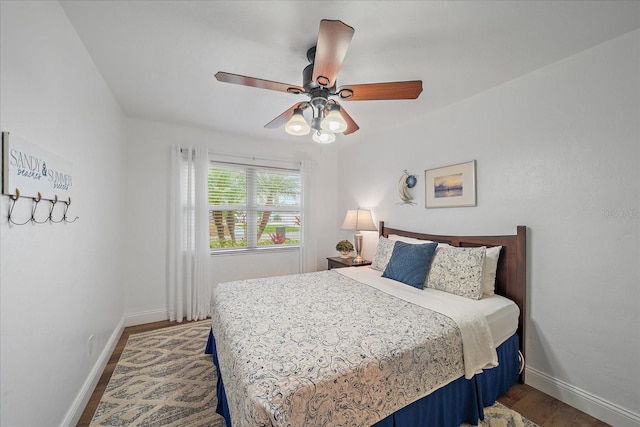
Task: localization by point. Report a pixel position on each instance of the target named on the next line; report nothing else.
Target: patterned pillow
(410, 264)
(458, 271)
(383, 254)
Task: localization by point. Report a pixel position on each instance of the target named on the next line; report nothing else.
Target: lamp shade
(323, 137)
(359, 219)
(333, 122)
(297, 125)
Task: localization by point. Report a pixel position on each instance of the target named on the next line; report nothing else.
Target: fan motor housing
(307, 77)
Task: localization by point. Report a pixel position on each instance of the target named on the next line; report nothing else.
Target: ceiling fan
(319, 84)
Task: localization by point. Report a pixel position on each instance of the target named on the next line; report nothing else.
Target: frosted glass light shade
(333, 122)
(297, 125)
(359, 219)
(323, 137)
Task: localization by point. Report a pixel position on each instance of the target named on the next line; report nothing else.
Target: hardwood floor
(540, 408)
(544, 410)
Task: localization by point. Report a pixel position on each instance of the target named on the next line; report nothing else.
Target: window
(253, 207)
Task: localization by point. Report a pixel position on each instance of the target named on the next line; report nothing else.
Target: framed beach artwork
(451, 186)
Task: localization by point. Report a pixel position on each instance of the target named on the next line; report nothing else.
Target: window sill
(253, 251)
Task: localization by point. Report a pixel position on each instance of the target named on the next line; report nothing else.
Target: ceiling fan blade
(351, 124)
(381, 91)
(260, 83)
(283, 118)
(334, 38)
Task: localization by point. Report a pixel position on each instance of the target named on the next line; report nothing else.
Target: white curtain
(308, 254)
(188, 263)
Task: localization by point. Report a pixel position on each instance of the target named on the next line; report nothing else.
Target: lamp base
(358, 246)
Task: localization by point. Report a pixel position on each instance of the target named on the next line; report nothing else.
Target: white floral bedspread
(323, 349)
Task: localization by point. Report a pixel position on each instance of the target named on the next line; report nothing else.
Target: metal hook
(53, 205)
(37, 200)
(16, 197)
(64, 215)
(12, 205)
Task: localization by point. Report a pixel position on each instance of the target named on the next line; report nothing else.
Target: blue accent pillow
(410, 264)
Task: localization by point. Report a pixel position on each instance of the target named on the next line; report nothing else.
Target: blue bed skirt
(462, 401)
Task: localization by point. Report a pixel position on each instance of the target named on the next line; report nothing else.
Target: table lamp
(359, 220)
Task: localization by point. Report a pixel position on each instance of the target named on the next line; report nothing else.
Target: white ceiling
(159, 57)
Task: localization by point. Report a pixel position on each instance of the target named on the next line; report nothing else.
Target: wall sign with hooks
(34, 208)
(29, 172)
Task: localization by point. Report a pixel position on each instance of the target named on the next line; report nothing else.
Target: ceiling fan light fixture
(319, 83)
(334, 122)
(297, 125)
(322, 137)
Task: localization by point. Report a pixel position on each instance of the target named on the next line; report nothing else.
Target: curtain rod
(249, 157)
(266, 167)
(224, 157)
(254, 158)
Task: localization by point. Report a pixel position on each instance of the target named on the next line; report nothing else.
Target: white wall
(61, 283)
(557, 150)
(146, 204)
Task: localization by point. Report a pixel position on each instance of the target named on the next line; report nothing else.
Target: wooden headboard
(511, 276)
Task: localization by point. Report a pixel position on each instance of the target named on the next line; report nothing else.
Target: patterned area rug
(499, 415)
(163, 378)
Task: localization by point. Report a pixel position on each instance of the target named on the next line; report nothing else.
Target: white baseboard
(582, 400)
(74, 413)
(134, 319)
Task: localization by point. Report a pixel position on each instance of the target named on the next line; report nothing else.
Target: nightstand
(338, 262)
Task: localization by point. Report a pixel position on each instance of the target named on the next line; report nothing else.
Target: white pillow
(414, 241)
(458, 271)
(410, 240)
(383, 253)
(489, 270)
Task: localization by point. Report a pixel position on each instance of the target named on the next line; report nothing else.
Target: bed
(355, 347)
